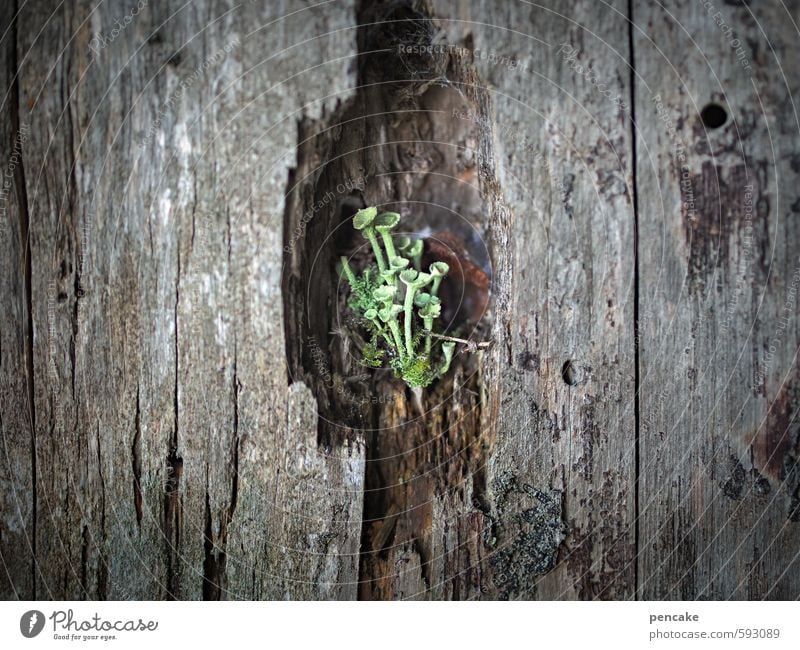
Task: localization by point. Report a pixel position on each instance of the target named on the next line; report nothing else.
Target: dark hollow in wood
(426, 454)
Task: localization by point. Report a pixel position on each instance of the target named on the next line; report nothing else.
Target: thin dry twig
(471, 346)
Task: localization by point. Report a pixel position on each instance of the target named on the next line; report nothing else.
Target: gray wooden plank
(16, 457)
(719, 335)
(68, 484)
(274, 547)
(157, 166)
(97, 309)
(305, 546)
(577, 432)
(559, 192)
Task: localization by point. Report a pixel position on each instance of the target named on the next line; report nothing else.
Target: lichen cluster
(398, 303)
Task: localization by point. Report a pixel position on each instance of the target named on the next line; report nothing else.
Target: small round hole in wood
(713, 116)
(570, 373)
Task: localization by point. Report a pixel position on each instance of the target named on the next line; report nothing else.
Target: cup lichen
(384, 296)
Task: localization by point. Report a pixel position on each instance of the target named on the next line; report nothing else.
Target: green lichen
(398, 303)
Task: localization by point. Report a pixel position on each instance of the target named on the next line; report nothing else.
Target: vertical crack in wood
(102, 562)
(26, 271)
(136, 459)
(636, 323)
(236, 443)
(69, 219)
(177, 352)
(211, 561)
(172, 524)
(174, 471)
(215, 546)
(85, 562)
(288, 280)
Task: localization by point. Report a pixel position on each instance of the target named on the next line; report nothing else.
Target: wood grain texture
(719, 323)
(17, 527)
(183, 412)
(563, 289)
(155, 168)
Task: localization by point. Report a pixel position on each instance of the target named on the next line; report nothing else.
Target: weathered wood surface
(170, 452)
(563, 249)
(719, 278)
(16, 472)
(178, 420)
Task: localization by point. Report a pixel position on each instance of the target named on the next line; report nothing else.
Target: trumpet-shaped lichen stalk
(438, 271)
(414, 251)
(348, 272)
(398, 263)
(422, 298)
(414, 281)
(363, 221)
(389, 316)
(385, 295)
(384, 223)
(396, 266)
(402, 243)
(448, 347)
(372, 316)
(429, 312)
(388, 276)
